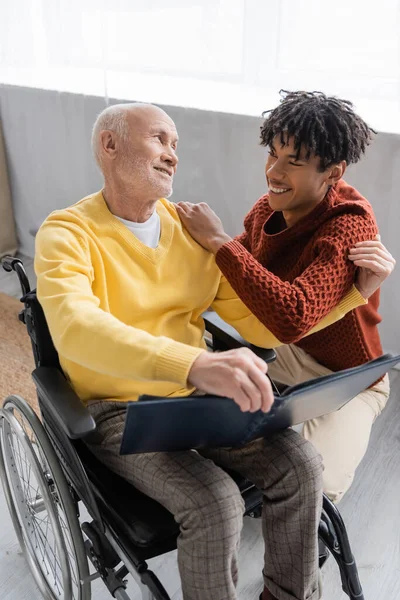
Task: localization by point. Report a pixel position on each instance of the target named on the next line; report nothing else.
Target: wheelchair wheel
(41, 505)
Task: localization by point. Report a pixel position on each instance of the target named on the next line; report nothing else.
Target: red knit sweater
(290, 278)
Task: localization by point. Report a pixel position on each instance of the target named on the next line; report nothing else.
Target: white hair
(113, 118)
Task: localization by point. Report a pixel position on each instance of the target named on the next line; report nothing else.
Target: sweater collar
(166, 227)
(304, 225)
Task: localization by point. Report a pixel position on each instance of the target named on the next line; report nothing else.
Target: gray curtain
(8, 239)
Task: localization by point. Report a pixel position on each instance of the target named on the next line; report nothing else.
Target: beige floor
(371, 511)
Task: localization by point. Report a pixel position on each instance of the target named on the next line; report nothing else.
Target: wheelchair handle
(10, 263)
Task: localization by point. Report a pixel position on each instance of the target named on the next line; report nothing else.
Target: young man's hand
(239, 374)
(203, 225)
(375, 262)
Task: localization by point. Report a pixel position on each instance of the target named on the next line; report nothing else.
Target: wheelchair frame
(63, 464)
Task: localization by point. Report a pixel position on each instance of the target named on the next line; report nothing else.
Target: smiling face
(296, 185)
(147, 162)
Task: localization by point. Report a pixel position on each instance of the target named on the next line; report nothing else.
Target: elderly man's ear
(108, 143)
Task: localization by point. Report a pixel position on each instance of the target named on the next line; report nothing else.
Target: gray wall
(47, 137)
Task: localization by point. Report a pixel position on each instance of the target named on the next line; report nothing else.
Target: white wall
(47, 137)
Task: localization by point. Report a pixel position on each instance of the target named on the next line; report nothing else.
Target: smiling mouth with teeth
(278, 190)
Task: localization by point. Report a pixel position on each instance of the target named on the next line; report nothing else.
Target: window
(228, 55)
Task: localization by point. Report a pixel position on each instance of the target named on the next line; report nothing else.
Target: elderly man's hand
(203, 225)
(376, 264)
(239, 374)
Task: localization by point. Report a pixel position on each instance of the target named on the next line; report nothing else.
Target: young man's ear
(336, 172)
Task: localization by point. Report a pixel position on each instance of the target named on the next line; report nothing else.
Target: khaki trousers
(341, 437)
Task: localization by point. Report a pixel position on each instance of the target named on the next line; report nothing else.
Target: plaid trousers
(209, 508)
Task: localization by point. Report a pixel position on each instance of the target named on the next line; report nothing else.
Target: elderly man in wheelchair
(123, 287)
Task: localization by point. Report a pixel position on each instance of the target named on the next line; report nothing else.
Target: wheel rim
(39, 517)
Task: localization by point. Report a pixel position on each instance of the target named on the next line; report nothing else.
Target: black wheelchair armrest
(62, 403)
(225, 337)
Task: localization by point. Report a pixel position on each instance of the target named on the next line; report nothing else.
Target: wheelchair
(48, 474)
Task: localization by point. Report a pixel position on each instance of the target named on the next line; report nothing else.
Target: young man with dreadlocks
(295, 261)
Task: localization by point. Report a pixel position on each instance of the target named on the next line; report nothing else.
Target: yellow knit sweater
(125, 318)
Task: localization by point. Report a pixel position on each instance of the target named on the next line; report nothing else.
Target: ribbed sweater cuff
(353, 300)
(175, 361)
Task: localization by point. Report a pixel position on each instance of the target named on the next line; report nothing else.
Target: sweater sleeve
(291, 310)
(232, 310)
(86, 334)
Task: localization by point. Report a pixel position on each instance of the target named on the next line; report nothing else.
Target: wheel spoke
(48, 553)
(31, 492)
(38, 545)
(17, 455)
(70, 550)
(43, 506)
(24, 469)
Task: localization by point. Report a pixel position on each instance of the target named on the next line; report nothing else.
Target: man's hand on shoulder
(203, 225)
(375, 262)
(239, 374)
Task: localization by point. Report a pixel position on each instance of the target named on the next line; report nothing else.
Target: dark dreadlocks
(324, 125)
